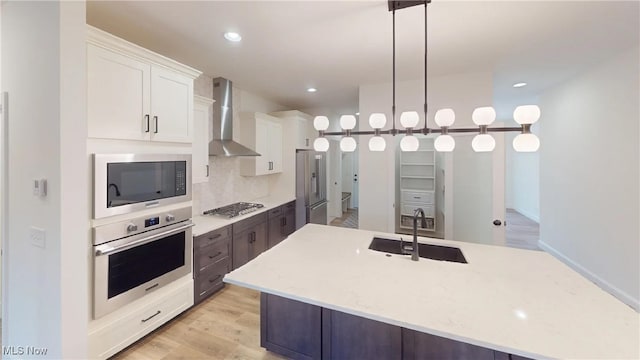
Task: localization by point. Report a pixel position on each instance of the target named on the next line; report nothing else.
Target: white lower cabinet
(262, 133)
(202, 134)
(116, 331)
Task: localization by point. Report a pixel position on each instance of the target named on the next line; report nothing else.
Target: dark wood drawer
(211, 237)
(289, 206)
(210, 281)
(207, 256)
(276, 212)
(250, 222)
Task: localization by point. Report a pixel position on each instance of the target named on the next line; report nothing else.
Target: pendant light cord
(426, 109)
(393, 107)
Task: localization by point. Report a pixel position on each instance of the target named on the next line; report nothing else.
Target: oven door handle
(106, 249)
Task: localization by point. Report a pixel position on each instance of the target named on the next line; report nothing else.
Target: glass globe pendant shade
(526, 143)
(348, 144)
(321, 123)
(526, 114)
(377, 120)
(483, 143)
(377, 143)
(444, 117)
(321, 144)
(444, 143)
(347, 122)
(409, 119)
(483, 115)
(409, 143)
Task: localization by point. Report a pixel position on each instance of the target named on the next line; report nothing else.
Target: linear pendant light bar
(524, 115)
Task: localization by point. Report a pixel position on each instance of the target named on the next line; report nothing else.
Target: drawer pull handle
(152, 316)
(204, 292)
(214, 236)
(215, 279)
(152, 287)
(416, 197)
(215, 256)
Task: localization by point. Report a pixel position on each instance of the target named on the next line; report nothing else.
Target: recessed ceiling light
(232, 36)
(312, 89)
(519, 85)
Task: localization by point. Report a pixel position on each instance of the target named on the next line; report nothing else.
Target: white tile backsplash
(226, 185)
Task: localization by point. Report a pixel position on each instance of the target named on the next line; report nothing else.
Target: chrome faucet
(414, 254)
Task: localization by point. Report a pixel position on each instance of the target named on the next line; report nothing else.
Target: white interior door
(478, 208)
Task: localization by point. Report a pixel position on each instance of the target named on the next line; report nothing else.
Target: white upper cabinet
(201, 138)
(299, 125)
(118, 95)
(171, 106)
(262, 133)
(135, 94)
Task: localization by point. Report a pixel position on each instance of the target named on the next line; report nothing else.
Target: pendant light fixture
(483, 117)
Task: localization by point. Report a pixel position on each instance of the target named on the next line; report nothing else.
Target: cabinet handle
(215, 256)
(207, 170)
(155, 118)
(306, 141)
(214, 236)
(214, 279)
(151, 317)
(147, 118)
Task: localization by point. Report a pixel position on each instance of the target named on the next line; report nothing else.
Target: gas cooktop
(234, 210)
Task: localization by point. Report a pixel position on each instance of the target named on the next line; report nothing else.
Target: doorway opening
(349, 191)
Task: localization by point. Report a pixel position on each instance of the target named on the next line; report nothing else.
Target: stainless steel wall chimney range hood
(222, 143)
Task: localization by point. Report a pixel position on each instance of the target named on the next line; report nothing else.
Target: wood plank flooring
(225, 326)
(349, 219)
(521, 232)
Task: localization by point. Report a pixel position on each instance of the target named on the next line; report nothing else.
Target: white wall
(226, 185)
(522, 177)
(44, 71)
(589, 182)
(463, 93)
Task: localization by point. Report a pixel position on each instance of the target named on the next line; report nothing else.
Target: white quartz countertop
(521, 302)
(206, 223)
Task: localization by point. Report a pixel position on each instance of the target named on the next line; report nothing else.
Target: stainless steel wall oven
(135, 257)
(125, 183)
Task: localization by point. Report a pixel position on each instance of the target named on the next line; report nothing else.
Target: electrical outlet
(37, 236)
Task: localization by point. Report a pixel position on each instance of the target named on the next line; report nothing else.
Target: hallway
(521, 232)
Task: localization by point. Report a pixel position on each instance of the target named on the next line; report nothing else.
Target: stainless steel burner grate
(234, 210)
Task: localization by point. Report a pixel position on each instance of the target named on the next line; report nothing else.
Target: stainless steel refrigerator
(311, 188)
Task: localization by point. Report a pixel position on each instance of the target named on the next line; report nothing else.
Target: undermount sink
(429, 251)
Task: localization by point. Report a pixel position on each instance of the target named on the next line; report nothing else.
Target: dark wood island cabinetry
(303, 331)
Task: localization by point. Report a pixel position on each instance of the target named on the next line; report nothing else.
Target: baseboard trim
(606, 286)
(527, 214)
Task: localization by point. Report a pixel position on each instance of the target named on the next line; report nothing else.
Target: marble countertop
(206, 223)
(522, 302)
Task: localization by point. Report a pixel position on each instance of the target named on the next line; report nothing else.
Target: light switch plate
(37, 236)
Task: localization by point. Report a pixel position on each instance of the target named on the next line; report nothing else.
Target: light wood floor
(521, 232)
(349, 219)
(225, 326)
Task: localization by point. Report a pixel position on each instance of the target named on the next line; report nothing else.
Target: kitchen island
(512, 301)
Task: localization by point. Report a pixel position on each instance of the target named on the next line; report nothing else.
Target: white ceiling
(335, 46)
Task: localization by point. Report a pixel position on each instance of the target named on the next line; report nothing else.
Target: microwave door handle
(106, 249)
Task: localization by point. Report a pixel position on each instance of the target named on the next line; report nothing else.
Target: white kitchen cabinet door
(202, 134)
(118, 95)
(262, 133)
(171, 106)
(275, 147)
(263, 162)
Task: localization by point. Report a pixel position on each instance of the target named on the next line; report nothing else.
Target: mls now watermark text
(24, 350)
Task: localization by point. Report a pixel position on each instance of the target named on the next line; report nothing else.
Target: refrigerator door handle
(318, 205)
(318, 191)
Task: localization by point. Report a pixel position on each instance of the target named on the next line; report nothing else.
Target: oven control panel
(134, 226)
(152, 221)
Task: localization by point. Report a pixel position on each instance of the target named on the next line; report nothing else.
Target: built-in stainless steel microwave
(125, 183)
